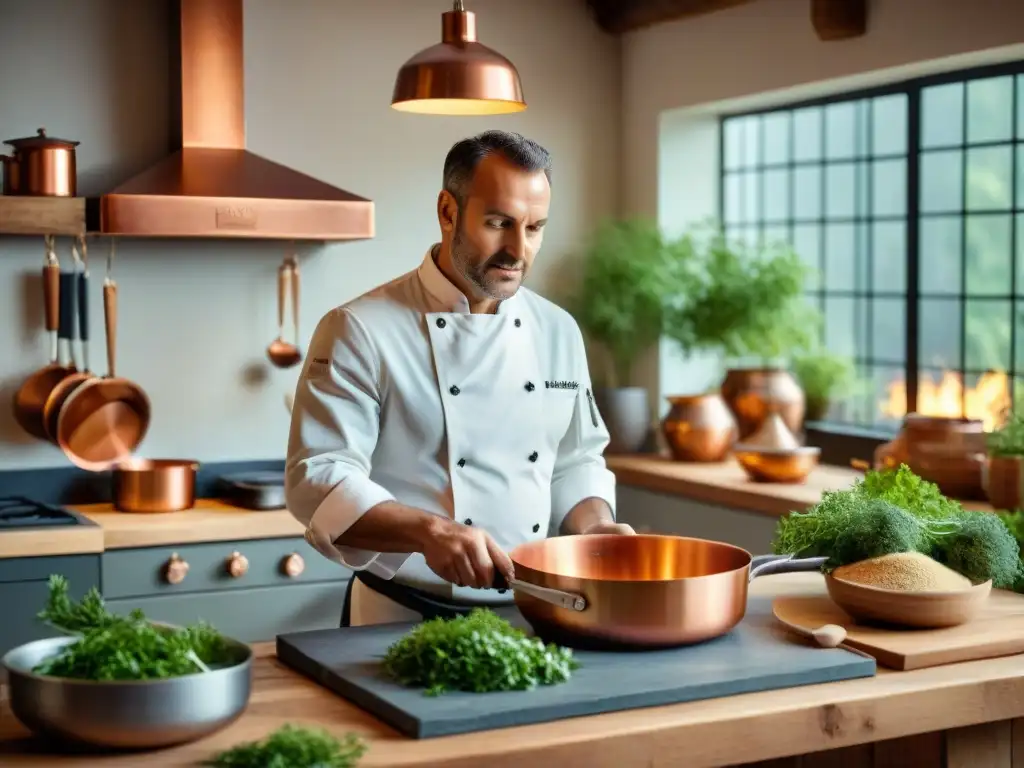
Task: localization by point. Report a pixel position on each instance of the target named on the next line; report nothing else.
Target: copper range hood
(212, 186)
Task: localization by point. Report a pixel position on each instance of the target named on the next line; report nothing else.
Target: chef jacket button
(453, 389)
(518, 322)
(441, 323)
(533, 456)
(468, 521)
(502, 591)
(529, 386)
(536, 527)
(462, 462)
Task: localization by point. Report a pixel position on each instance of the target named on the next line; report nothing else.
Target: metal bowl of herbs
(125, 682)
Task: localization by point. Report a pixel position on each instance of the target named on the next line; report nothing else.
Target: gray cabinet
(24, 590)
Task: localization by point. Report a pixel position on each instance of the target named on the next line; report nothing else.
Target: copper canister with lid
(40, 166)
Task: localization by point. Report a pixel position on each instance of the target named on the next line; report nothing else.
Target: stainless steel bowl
(130, 714)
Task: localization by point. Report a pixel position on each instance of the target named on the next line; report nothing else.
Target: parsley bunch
(479, 652)
(292, 747)
(112, 647)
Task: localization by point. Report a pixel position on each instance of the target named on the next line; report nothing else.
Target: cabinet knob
(294, 565)
(176, 569)
(238, 565)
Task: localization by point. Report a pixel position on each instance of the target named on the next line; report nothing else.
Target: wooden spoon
(827, 635)
(284, 354)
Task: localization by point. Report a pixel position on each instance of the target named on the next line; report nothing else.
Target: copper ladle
(284, 354)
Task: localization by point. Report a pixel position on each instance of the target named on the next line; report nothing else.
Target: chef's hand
(465, 556)
(608, 526)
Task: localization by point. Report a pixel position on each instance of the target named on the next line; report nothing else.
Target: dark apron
(427, 605)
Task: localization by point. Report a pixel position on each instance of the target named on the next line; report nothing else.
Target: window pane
(807, 137)
(1020, 176)
(752, 141)
(776, 234)
(988, 255)
(1018, 354)
(806, 242)
(987, 333)
(941, 181)
(889, 125)
(776, 138)
(840, 130)
(888, 330)
(841, 325)
(839, 257)
(1020, 106)
(839, 191)
(990, 109)
(942, 115)
(889, 188)
(939, 337)
(732, 142)
(989, 179)
(776, 195)
(889, 256)
(1020, 258)
(751, 197)
(807, 192)
(887, 403)
(733, 201)
(940, 242)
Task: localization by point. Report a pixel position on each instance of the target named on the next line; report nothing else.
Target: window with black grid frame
(908, 203)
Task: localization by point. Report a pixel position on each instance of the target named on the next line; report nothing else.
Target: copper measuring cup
(105, 419)
(30, 399)
(79, 299)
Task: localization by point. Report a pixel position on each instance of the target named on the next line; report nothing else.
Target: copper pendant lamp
(458, 76)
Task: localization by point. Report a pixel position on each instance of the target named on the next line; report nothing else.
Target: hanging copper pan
(105, 419)
(76, 377)
(642, 591)
(31, 397)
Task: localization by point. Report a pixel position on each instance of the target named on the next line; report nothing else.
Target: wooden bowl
(777, 465)
(922, 610)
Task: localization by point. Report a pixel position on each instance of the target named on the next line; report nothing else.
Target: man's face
(499, 229)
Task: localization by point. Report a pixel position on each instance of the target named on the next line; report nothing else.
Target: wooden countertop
(725, 731)
(727, 484)
(210, 520)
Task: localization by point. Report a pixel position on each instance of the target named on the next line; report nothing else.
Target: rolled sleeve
(580, 471)
(334, 429)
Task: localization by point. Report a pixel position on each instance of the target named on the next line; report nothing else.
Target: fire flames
(988, 400)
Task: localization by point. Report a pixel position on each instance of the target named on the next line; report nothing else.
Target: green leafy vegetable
(909, 491)
(1008, 440)
(293, 747)
(479, 652)
(112, 647)
(981, 548)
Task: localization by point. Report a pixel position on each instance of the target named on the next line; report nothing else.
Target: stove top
(21, 512)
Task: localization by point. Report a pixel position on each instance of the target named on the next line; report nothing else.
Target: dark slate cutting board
(756, 656)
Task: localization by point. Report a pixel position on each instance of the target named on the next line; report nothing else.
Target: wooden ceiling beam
(618, 16)
(839, 19)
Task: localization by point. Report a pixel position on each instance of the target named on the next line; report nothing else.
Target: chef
(447, 416)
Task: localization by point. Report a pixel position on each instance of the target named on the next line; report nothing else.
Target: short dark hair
(465, 156)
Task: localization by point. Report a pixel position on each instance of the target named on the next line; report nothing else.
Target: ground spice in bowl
(904, 572)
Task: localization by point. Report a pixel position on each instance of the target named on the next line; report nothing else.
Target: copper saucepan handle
(283, 278)
(766, 565)
(51, 295)
(110, 321)
(295, 299)
(568, 600)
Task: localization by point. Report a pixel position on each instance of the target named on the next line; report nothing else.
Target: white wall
(196, 318)
(677, 76)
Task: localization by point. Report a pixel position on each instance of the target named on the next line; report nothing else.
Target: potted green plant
(629, 269)
(746, 302)
(1003, 472)
(824, 377)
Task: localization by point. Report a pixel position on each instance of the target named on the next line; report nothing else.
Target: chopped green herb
(112, 647)
(479, 652)
(293, 747)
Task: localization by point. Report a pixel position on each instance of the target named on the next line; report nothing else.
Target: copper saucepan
(642, 591)
(155, 485)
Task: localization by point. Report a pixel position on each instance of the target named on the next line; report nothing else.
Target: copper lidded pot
(644, 590)
(40, 166)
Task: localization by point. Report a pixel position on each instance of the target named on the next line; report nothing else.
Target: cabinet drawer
(137, 572)
(251, 615)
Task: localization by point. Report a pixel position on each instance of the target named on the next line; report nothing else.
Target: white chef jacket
(488, 420)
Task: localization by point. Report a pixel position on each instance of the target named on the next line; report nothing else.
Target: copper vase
(1002, 478)
(753, 393)
(699, 427)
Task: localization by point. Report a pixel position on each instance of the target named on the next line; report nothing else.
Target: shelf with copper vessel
(25, 215)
